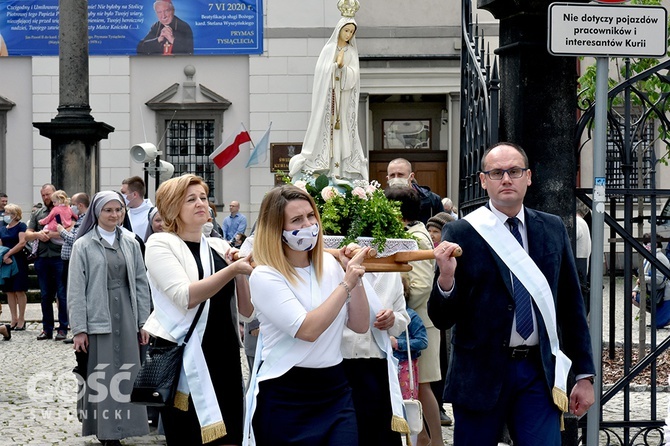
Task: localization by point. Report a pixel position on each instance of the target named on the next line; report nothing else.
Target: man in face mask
(133, 190)
(399, 173)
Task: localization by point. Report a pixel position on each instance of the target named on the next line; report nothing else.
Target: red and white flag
(230, 147)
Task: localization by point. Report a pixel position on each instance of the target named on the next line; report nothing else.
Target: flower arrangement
(354, 209)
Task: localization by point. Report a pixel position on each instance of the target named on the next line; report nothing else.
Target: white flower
(359, 192)
(301, 184)
(328, 192)
(372, 187)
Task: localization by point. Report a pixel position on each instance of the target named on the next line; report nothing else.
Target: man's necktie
(524, 315)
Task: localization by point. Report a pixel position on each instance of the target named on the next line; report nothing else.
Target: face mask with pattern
(302, 239)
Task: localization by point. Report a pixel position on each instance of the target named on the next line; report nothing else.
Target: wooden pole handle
(421, 254)
(372, 253)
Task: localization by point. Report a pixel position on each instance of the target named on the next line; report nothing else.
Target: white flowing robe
(325, 149)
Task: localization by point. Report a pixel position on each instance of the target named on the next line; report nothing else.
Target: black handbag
(81, 368)
(156, 382)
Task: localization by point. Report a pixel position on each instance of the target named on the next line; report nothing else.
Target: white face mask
(207, 228)
(7, 219)
(75, 209)
(125, 198)
(302, 239)
(395, 182)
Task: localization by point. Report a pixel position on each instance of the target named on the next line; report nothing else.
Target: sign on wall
(280, 155)
(144, 27)
(579, 29)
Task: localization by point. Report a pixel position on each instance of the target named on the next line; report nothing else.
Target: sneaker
(44, 335)
(61, 335)
(68, 341)
(444, 419)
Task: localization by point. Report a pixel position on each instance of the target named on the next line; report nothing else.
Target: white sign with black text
(579, 29)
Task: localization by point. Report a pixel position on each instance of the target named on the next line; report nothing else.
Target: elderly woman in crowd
(435, 224)
(108, 303)
(187, 270)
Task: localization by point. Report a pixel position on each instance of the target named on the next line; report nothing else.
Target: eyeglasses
(498, 174)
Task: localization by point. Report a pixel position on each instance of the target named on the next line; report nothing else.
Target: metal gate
(638, 129)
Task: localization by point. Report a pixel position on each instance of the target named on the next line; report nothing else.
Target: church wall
(16, 83)
(272, 87)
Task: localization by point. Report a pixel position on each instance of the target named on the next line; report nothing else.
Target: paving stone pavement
(38, 391)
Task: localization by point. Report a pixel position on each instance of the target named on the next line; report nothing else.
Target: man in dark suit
(503, 368)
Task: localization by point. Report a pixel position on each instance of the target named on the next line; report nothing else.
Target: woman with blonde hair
(303, 297)
(188, 271)
(13, 236)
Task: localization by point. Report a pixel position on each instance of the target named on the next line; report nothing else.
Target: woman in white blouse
(303, 299)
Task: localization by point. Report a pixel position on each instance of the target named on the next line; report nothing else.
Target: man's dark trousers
(525, 405)
(50, 276)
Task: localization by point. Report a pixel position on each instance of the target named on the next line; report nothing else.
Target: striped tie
(523, 312)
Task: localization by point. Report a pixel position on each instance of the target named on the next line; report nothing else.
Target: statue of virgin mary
(332, 145)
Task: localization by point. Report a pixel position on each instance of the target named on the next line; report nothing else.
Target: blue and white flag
(260, 152)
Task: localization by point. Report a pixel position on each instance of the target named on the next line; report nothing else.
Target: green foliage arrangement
(652, 90)
(355, 210)
(653, 86)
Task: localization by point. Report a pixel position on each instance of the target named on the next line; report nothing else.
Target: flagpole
(253, 146)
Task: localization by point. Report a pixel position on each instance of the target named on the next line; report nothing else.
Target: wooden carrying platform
(398, 262)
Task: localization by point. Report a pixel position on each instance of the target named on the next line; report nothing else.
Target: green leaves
(362, 211)
(320, 182)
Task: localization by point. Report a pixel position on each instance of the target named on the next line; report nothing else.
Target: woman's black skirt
(308, 407)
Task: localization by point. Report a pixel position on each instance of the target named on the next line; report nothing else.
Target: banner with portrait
(138, 27)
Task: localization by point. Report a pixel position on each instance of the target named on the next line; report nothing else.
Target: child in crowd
(418, 340)
(60, 211)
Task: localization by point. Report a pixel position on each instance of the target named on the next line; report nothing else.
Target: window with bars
(614, 167)
(189, 142)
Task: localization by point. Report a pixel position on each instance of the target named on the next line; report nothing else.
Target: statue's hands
(340, 59)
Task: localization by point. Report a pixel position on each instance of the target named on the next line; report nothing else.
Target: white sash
(398, 422)
(501, 240)
(194, 378)
(284, 356)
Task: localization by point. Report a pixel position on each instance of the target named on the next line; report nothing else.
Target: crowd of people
(89, 256)
(127, 274)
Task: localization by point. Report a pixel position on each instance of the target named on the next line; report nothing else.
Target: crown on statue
(348, 8)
